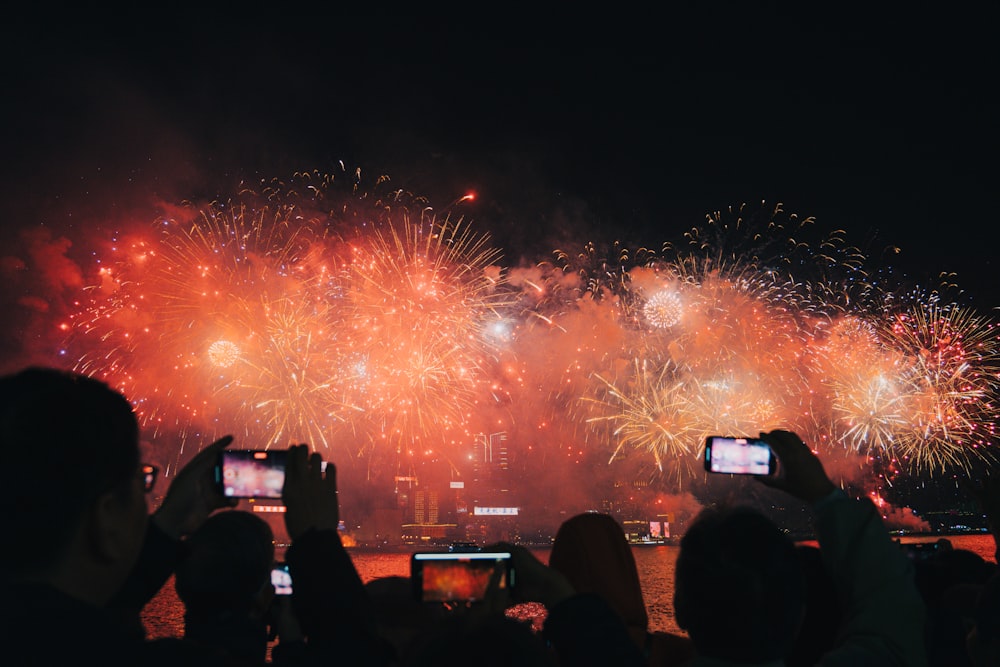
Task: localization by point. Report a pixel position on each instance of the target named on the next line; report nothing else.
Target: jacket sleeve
(331, 603)
(157, 561)
(884, 612)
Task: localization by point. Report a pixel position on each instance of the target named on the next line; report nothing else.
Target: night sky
(571, 126)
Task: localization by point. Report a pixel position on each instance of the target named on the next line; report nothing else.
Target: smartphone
(458, 576)
(246, 473)
(281, 579)
(739, 456)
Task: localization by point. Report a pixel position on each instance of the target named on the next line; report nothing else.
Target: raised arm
(330, 599)
(884, 613)
(191, 498)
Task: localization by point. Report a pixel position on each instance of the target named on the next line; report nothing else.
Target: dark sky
(577, 124)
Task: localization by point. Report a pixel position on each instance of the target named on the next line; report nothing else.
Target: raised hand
(310, 494)
(800, 471)
(193, 495)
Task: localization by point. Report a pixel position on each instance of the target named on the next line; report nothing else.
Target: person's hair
(66, 440)
(739, 589)
(226, 563)
(593, 553)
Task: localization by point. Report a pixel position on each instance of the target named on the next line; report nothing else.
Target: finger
(208, 455)
(215, 447)
(221, 443)
(497, 598)
(330, 476)
(331, 493)
(781, 442)
(315, 468)
(295, 465)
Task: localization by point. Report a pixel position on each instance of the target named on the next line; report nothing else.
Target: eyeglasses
(148, 476)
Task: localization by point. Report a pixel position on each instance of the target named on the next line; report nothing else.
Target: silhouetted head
(67, 441)
(400, 617)
(823, 610)
(591, 550)
(739, 589)
(227, 563)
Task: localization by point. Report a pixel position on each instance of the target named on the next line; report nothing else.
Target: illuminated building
(492, 517)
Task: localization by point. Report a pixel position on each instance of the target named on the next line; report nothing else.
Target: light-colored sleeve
(884, 614)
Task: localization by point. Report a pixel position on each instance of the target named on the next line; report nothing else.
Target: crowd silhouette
(83, 556)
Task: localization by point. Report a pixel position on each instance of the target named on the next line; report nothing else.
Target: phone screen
(457, 577)
(281, 580)
(251, 473)
(739, 456)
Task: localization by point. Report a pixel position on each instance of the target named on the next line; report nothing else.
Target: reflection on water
(164, 615)
(656, 575)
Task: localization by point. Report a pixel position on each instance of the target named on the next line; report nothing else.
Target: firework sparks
(775, 333)
(258, 313)
(223, 353)
(663, 309)
(951, 376)
(650, 415)
(421, 303)
(220, 312)
(380, 327)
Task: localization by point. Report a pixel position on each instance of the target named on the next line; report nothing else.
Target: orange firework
(368, 322)
(648, 410)
(258, 316)
(222, 319)
(421, 301)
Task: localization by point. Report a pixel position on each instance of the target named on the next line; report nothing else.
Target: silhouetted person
(224, 581)
(945, 578)
(823, 612)
(983, 633)
(581, 629)
(592, 551)
(80, 556)
(330, 602)
(740, 591)
(983, 641)
(400, 617)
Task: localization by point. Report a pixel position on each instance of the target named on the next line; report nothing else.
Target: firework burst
(950, 375)
(296, 325)
(218, 314)
(648, 410)
(422, 303)
(769, 330)
(313, 310)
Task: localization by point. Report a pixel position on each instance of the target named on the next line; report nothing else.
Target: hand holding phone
(186, 505)
(738, 455)
(802, 474)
